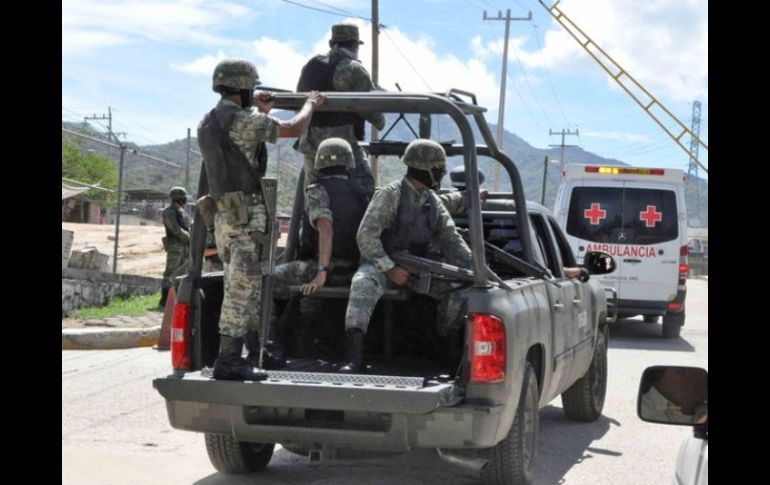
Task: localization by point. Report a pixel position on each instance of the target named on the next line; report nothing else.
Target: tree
(91, 168)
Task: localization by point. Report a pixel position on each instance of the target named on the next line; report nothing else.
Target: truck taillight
(180, 358)
(487, 348)
(683, 266)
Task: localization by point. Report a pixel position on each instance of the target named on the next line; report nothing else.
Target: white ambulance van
(638, 216)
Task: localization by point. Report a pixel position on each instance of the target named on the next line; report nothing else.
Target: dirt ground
(140, 251)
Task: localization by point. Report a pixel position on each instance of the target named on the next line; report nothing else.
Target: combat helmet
(332, 152)
(235, 74)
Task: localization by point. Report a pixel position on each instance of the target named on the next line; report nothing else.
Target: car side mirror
(673, 395)
(597, 262)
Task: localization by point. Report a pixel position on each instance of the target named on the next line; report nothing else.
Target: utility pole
(563, 133)
(187, 166)
(692, 169)
(108, 117)
(373, 161)
(117, 212)
(545, 177)
(503, 77)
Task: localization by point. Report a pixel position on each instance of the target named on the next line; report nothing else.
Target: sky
(151, 61)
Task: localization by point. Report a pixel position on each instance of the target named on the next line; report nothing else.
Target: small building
(75, 207)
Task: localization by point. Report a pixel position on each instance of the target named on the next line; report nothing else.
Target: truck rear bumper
(362, 416)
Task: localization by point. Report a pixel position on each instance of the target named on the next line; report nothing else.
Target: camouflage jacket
(176, 233)
(349, 75)
(249, 128)
(380, 215)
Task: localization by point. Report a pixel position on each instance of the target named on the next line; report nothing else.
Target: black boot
(163, 297)
(273, 357)
(355, 351)
(230, 366)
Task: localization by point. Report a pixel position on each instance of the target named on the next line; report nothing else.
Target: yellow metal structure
(623, 78)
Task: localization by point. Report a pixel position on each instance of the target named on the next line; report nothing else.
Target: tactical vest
(227, 168)
(347, 209)
(181, 218)
(414, 226)
(318, 75)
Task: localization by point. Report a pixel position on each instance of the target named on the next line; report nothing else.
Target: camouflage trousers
(177, 259)
(369, 285)
(241, 305)
(361, 176)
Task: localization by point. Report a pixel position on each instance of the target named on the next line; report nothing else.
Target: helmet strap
(247, 98)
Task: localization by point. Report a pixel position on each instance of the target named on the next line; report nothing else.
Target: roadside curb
(108, 338)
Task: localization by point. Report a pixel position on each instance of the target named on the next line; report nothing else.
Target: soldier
(232, 139)
(405, 215)
(177, 240)
(339, 70)
(328, 250)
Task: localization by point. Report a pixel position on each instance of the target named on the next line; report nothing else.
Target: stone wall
(83, 288)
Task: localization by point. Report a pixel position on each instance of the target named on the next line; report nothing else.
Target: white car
(679, 396)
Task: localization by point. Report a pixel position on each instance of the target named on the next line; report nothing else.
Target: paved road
(115, 429)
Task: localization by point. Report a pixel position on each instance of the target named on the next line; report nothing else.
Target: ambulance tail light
(683, 266)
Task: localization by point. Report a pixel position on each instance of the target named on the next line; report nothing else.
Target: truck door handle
(631, 260)
(576, 301)
(558, 307)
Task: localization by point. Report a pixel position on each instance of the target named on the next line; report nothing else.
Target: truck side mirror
(673, 395)
(597, 262)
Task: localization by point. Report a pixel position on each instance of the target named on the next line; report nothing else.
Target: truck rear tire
(672, 324)
(512, 461)
(229, 455)
(584, 400)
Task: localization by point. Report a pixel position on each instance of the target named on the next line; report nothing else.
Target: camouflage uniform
(241, 305)
(370, 281)
(349, 75)
(333, 198)
(295, 273)
(456, 202)
(176, 243)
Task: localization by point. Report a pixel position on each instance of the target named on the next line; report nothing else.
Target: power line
(325, 11)
(516, 89)
(332, 7)
(548, 74)
(406, 58)
(529, 86)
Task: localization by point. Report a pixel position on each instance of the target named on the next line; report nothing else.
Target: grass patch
(133, 306)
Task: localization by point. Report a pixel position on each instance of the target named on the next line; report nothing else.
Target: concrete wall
(83, 288)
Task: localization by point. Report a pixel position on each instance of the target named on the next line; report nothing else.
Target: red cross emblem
(650, 216)
(595, 214)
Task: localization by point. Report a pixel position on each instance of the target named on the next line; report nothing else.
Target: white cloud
(662, 43)
(203, 66)
(90, 24)
(280, 63)
(613, 135)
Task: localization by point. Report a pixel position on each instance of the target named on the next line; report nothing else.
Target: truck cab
(528, 335)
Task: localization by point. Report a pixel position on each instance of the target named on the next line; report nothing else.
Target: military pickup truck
(530, 335)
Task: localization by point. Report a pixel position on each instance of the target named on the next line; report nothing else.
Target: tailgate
(369, 393)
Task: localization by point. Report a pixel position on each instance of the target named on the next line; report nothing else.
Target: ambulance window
(623, 216)
(594, 212)
(650, 216)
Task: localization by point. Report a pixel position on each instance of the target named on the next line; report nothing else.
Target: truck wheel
(229, 455)
(651, 319)
(584, 400)
(511, 461)
(672, 324)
